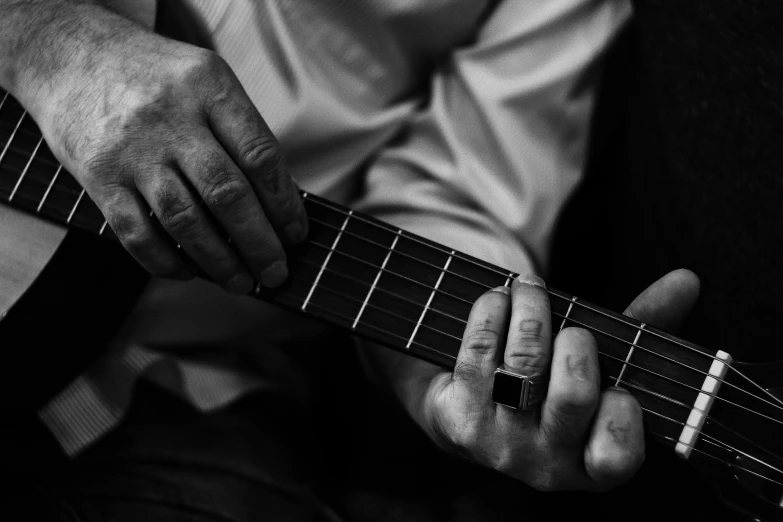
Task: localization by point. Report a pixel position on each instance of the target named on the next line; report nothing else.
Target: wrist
(47, 45)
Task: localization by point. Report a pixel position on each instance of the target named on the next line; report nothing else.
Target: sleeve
(487, 165)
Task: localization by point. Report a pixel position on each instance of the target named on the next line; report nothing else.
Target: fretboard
(385, 284)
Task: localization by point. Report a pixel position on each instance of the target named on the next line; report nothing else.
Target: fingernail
(502, 289)
(531, 279)
(240, 284)
(274, 275)
(618, 389)
(294, 232)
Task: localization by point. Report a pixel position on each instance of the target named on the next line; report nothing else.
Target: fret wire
(568, 312)
(403, 254)
(412, 237)
(630, 352)
(49, 188)
(709, 419)
(13, 135)
(459, 255)
(2, 102)
(26, 168)
(328, 256)
(419, 283)
(375, 281)
(378, 328)
(32, 173)
(75, 206)
(429, 301)
(383, 290)
(508, 280)
(103, 227)
(43, 160)
(383, 310)
(594, 329)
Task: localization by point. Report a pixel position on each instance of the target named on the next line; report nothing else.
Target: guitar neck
(385, 284)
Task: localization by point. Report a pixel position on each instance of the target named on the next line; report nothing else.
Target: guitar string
(710, 418)
(331, 311)
(560, 316)
(713, 442)
(463, 257)
(325, 204)
(597, 330)
(634, 365)
(621, 319)
(721, 460)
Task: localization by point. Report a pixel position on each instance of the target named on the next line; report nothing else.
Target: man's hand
(580, 437)
(144, 123)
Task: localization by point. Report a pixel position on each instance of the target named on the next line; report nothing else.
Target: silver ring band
(516, 391)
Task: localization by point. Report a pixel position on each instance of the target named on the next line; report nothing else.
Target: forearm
(46, 42)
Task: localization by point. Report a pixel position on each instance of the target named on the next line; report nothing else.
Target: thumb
(666, 303)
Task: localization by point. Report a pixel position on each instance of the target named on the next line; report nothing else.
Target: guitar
(413, 295)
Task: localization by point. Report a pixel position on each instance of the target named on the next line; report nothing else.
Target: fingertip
(274, 275)
(616, 449)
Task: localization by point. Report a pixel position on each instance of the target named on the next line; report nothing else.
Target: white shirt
(460, 120)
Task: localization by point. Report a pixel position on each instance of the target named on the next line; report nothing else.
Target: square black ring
(509, 389)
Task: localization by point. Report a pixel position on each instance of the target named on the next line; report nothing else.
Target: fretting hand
(144, 122)
(578, 437)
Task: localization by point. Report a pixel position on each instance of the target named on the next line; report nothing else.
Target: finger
(245, 135)
(574, 390)
(233, 202)
(129, 219)
(528, 349)
(181, 215)
(667, 302)
(482, 344)
(615, 448)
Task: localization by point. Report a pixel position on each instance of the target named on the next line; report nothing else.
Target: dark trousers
(349, 454)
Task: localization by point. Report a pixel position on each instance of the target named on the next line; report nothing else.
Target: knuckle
(204, 64)
(177, 215)
(226, 196)
(482, 339)
(532, 363)
(222, 189)
(261, 151)
(124, 228)
(465, 371)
